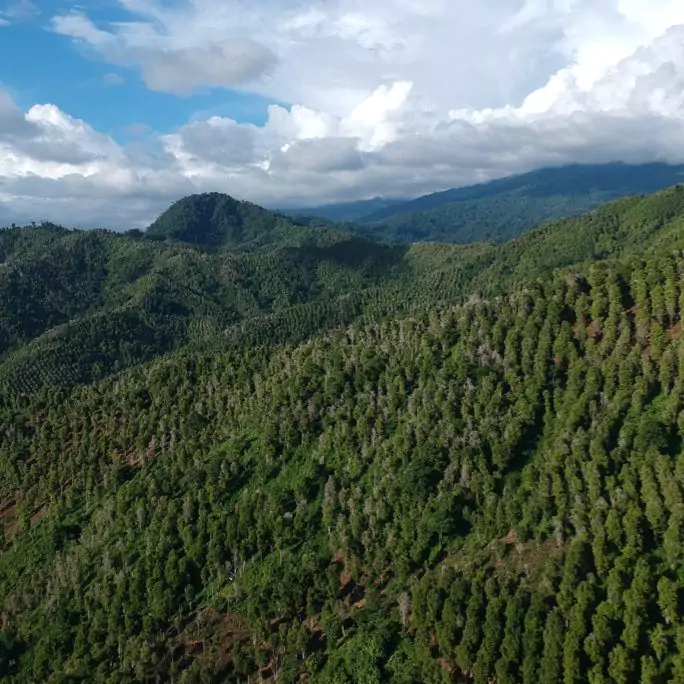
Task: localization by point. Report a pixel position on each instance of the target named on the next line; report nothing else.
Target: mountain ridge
(622, 178)
(504, 208)
(345, 211)
(218, 220)
(176, 293)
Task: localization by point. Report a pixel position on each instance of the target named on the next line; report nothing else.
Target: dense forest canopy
(266, 450)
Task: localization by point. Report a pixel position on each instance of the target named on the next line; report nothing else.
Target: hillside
(219, 220)
(346, 211)
(76, 305)
(502, 209)
(80, 305)
(336, 461)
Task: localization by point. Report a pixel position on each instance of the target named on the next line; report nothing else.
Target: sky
(112, 109)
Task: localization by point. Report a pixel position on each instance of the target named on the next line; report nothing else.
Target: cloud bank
(399, 97)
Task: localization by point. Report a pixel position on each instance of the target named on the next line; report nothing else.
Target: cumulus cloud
(218, 141)
(58, 167)
(395, 98)
(169, 63)
(322, 155)
(12, 120)
(179, 71)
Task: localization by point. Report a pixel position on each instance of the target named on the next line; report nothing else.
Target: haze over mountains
(347, 211)
(503, 208)
(64, 291)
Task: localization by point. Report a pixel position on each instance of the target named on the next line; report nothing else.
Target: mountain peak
(213, 220)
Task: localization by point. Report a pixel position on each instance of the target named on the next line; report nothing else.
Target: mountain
(217, 220)
(504, 208)
(75, 305)
(329, 460)
(79, 305)
(346, 211)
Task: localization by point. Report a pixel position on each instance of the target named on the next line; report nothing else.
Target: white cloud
(219, 142)
(18, 11)
(172, 64)
(12, 120)
(395, 98)
(319, 155)
(112, 79)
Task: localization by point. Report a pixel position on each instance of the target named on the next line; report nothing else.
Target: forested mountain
(79, 305)
(502, 209)
(327, 460)
(219, 220)
(347, 211)
(76, 305)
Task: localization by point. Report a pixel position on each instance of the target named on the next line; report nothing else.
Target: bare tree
(404, 602)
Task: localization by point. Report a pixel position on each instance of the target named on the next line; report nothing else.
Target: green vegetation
(327, 460)
(505, 208)
(79, 305)
(217, 220)
(348, 211)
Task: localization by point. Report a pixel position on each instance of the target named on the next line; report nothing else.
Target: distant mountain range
(500, 209)
(79, 305)
(348, 211)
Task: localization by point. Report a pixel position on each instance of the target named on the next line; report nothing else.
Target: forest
(240, 447)
(504, 208)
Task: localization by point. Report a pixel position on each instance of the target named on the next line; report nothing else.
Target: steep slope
(507, 207)
(81, 305)
(212, 220)
(475, 493)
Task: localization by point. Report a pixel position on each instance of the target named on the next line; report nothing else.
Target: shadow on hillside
(354, 253)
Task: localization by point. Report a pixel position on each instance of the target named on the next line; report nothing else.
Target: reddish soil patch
(511, 537)
(675, 331)
(594, 330)
(38, 514)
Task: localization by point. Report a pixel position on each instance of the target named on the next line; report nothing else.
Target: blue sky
(37, 65)
(112, 109)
